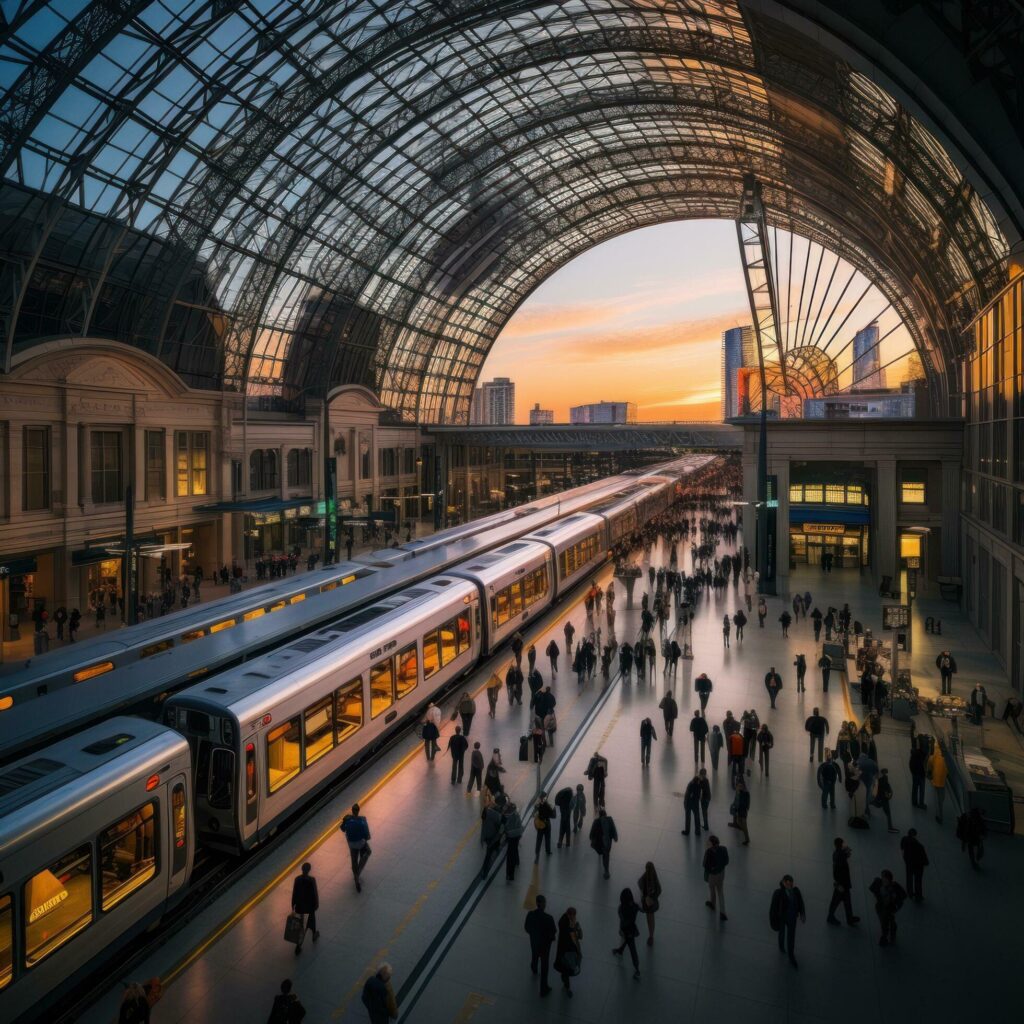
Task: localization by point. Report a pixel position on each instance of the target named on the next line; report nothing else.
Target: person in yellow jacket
(937, 772)
(493, 689)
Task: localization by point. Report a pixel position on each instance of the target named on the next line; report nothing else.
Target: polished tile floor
(955, 956)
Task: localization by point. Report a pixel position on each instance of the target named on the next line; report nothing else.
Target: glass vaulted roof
(277, 196)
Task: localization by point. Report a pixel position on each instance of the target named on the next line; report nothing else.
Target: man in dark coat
(597, 771)
(699, 728)
(841, 884)
(703, 686)
(670, 709)
(946, 664)
(772, 683)
(787, 905)
(918, 774)
(563, 801)
(825, 664)
(457, 747)
(540, 926)
(602, 834)
(889, 896)
(915, 859)
(817, 727)
(306, 901)
(378, 997)
(691, 805)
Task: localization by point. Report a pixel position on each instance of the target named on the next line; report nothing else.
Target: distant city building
(867, 372)
(603, 412)
(739, 350)
(541, 417)
(494, 403)
(863, 405)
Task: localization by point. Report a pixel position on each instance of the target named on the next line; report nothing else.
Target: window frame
(102, 472)
(375, 670)
(404, 654)
(907, 486)
(317, 705)
(293, 722)
(353, 685)
(69, 933)
(45, 473)
(153, 471)
(104, 908)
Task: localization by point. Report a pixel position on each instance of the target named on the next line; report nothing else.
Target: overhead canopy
(282, 197)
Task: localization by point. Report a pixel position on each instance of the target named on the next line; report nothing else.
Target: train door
(180, 833)
(215, 778)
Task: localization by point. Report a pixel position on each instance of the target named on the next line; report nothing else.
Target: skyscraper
(494, 403)
(541, 417)
(867, 372)
(739, 349)
(603, 412)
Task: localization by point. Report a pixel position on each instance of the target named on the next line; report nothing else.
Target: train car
(579, 545)
(515, 583)
(96, 842)
(267, 735)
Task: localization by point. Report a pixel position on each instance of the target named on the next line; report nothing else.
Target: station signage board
(895, 616)
(827, 529)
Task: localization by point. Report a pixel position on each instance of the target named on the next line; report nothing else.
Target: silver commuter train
(95, 845)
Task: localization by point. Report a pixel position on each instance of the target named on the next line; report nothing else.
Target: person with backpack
(543, 815)
(568, 949)
(889, 898)
(564, 801)
(716, 858)
(602, 834)
(670, 712)
(287, 1008)
(597, 772)
(379, 997)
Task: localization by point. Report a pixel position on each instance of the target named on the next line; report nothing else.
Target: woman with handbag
(568, 952)
(650, 891)
(628, 931)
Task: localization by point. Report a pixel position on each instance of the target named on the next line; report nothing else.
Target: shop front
(814, 543)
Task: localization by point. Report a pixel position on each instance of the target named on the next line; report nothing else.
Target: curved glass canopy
(278, 196)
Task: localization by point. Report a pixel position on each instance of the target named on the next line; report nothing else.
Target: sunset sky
(639, 318)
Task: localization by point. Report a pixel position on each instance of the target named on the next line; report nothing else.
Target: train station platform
(457, 943)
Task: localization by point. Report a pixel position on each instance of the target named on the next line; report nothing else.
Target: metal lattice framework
(284, 195)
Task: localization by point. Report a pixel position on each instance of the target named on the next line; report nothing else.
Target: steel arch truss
(281, 197)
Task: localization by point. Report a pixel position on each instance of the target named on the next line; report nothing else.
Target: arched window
(269, 468)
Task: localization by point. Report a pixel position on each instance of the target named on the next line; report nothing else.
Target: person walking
(476, 769)
(883, 797)
(971, 831)
(286, 1009)
(801, 671)
(765, 742)
(513, 827)
(716, 857)
(762, 612)
(918, 773)
(946, 664)
(74, 621)
(705, 796)
(563, 801)
(825, 664)
(937, 771)
(785, 619)
(726, 630)
(828, 776)
(842, 886)
(817, 727)
(379, 997)
(457, 747)
(741, 809)
(543, 815)
(430, 734)
(691, 805)
(703, 687)
(628, 931)
(816, 620)
(493, 690)
(670, 712)
(915, 860)
(466, 709)
(602, 834)
(889, 897)
(867, 771)
(553, 652)
(737, 754)
(540, 926)
(597, 772)
(787, 907)
(699, 731)
(490, 835)
(715, 743)
(649, 888)
(356, 830)
(569, 949)
(495, 770)
(579, 808)
(647, 737)
(739, 620)
(773, 684)
(306, 901)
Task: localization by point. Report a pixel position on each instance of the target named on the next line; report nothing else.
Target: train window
(431, 656)
(151, 649)
(58, 904)
(463, 632)
(516, 598)
(276, 607)
(282, 754)
(528, 597)
(179, 822)
(128, 855)
(6, 940)
(407, 671)
(319, 724)
(499, 605)
(449, 645)
(349, 702)
(254, 614)
(381, 687)
(93, 671)
(221, 787)
(195, 634)
(296, 598)
(218, 626)
(329, 586)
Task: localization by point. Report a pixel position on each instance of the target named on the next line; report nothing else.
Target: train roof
(494, 565)
(579, 524)
(40, 790)
(244, 690)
